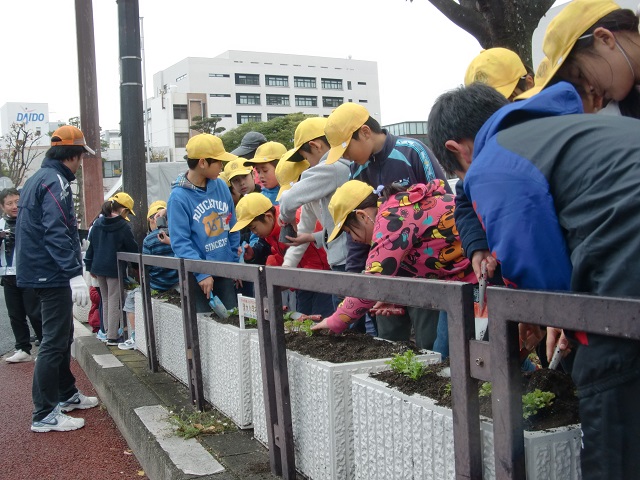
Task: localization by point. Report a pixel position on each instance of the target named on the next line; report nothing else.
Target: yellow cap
(542, 74)
(224, 177)
(288, 172)
(155, 207)
(567, 27)
(267, 152)
(344, 201)
(125, 200)
(236, 167)
(499, 68)
(341, 125)
(205, 145)
(248, 208)
(307, 130)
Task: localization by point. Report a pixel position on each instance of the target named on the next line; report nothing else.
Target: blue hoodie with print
(199, 222)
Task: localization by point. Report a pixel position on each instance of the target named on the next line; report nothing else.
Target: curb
(127, 388)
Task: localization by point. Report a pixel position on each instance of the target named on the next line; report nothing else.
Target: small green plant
(250, 322)
(234, 311)
(447, 390)
(191, 423)
(295, 326)
(485, 389)
(534, 401)
(407, 364)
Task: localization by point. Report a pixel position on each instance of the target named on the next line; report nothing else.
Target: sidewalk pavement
(96, 452)
(139, 401)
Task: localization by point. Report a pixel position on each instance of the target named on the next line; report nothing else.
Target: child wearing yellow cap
(380, 158)
(501, 69)
(109, 235)
(411, 233)
(265, 162)
(595, 45)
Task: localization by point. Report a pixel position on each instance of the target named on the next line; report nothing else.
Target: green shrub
(534, 401)
(407, 364)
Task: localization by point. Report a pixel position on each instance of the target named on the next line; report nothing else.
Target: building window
(111, 169)
(362, 83)
(181, 77)
(248, 98)
(331, 84)
(271, 116)
(180, 112)
(363, 101)
(306, 101)
(220, 115)
(247, 79)
(304, 82)
(249, 117)
(220, 75)
(220, 95)
(278, 100)
(332, 102)
(276, 81)
(348, 84)
(181, 139)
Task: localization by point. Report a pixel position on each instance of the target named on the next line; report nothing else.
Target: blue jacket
(161, 279)
(402, 160)
(47, 242)
(509, 179)
(107, 237)
(200, 220)
(271, 193)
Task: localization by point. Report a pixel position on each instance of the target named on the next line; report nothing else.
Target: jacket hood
(559, 99)
(415, 193)
(112, 224)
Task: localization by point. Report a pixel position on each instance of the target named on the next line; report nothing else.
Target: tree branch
(465, 17)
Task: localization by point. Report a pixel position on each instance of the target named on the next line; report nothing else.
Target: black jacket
(47, 243)
(108, 236)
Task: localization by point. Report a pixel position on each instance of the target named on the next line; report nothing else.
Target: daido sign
(26, 117)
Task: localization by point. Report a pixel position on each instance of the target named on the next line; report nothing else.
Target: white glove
(79, 291)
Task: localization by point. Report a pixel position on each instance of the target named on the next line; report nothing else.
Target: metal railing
(470, 360)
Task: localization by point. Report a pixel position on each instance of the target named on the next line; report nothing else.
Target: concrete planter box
(321, 411)
(409, 437)
(226, 366)
(224, 354)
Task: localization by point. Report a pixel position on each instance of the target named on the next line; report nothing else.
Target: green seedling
(407, 364)
(250, 322)
(294, 326)
(485, 389)
(447, 390)
(534, 401)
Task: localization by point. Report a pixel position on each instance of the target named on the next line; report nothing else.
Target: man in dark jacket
(558, 194)
(48, 259)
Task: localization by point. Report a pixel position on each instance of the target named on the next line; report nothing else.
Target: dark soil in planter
(232, 320)
(348, 347)
(563, 411)
(171, 296)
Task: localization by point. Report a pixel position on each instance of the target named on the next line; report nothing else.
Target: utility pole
(134, 174)
(144, 82)
(92, 189)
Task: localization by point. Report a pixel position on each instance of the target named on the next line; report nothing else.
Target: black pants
(53, 381)
(22, 303)
(398, 327)
(607, 374)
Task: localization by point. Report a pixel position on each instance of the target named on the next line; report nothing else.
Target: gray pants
(398, 327)
(111, 305)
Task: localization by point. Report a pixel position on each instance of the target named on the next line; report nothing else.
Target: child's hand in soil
(321, 325)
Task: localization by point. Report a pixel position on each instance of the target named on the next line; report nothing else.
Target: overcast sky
(420, 53)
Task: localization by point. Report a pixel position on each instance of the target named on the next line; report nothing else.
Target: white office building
(241, 87)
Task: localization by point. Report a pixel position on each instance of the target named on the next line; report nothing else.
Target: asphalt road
(6, 335)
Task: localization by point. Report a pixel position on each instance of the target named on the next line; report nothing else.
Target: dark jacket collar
(59, 167)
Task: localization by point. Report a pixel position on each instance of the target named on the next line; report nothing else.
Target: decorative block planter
(409, 437)
(321, 411)
(226, 365)
(224, 355)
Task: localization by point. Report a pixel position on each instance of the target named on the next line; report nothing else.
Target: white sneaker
(127, 345)
(58, 422)
(78, 401)
(19, 356)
